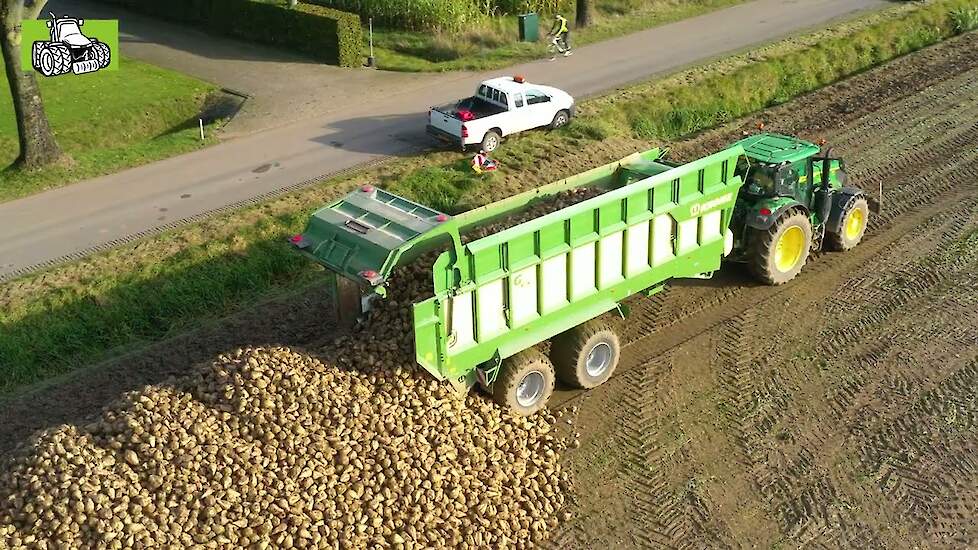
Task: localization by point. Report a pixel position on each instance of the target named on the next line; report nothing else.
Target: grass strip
(106, 121)
(67, 317)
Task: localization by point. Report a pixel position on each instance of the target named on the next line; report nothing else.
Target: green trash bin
(529, 27)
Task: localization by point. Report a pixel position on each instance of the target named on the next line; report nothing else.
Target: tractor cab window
(769, 180)
(68, 28)
(761, 179)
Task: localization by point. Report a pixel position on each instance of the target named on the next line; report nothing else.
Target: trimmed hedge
(327, 34)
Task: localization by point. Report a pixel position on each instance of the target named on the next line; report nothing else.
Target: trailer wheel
(525, 382)
(779, 253)
(586, 356)
(853, 227)
(490, 141)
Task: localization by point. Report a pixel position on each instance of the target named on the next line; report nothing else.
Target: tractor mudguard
(777, 206)
(841, 202)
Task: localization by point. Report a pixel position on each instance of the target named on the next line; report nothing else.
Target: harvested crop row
(274, 448)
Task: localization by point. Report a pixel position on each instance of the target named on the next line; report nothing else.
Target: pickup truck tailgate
(445, 122)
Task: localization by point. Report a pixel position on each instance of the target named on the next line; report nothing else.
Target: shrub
(964, 20)
(440, 15)
(329, 35)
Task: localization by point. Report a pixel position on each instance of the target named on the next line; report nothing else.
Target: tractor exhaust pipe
(82, 67)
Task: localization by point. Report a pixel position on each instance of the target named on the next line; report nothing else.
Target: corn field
(439, 15)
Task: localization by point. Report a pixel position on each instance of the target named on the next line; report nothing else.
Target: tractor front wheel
(854, 221)
(525, 382)
(102, 54)
(586, 356)
(779, 253)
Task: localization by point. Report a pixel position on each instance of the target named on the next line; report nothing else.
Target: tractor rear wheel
(779, 253)
(586, 356)
(525, 382)
(854, 221)
(54, 60)
(36, 49)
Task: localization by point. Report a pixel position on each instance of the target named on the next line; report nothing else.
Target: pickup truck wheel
(490, 141)
(525, 382)
(779, 253)
(560, 119)
(586, 356)
(853, 227)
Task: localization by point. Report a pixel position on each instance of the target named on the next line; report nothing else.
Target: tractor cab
(778, 166)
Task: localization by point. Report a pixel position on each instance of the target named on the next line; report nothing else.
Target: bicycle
(555, 47)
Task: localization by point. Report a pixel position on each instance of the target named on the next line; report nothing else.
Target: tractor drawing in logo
(68, 50)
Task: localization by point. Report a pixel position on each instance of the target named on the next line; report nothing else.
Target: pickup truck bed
(479, 107)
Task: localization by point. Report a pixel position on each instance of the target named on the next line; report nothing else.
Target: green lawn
(106, 121)
(494, 43)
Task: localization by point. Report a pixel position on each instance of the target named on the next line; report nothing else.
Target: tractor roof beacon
(68, 49)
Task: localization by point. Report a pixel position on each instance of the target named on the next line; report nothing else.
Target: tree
(585, 13)
(37, 144)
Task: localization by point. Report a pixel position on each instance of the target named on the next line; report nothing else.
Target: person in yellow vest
(562, 33)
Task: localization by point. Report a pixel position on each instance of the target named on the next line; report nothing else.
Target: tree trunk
(585, 13)
(37, 144)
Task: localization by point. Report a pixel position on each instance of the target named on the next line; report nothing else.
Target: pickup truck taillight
(465, 131)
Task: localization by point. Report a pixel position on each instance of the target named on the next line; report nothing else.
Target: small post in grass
(371, 61)
(201, 121)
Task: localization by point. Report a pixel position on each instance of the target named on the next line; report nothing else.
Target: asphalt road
(70, 222)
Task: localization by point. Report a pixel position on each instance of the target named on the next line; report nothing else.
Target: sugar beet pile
(352, 446)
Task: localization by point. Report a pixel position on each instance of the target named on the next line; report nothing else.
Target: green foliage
(965, 20)
(329, 35)
(683, 109)
(438, 187)
(442, 15)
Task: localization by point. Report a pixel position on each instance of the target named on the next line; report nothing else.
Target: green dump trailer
(552, 277)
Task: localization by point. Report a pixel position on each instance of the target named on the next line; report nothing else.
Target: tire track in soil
(812, 509)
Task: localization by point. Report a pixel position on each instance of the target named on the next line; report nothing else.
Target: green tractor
(795, 199)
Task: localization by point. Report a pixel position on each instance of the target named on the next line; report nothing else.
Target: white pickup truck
(500, 107)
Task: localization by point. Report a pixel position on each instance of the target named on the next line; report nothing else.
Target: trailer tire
(852, 229)
(779, 252)
(525, 382)
(490, 142)
(586, 356)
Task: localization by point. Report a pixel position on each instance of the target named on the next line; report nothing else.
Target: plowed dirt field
(838, 411)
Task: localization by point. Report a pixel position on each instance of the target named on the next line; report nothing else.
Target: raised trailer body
(504, 293)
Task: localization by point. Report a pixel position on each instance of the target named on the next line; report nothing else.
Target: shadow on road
(390, 135)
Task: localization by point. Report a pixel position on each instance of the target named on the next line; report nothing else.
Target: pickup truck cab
(500, 107)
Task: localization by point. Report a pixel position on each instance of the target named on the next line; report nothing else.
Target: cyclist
(561, 34)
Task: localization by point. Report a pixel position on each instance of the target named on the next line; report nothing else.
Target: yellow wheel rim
(790, 247)
(855, 224)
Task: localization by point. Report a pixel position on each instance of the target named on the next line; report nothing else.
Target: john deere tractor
(69, 50)
(795, 199)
